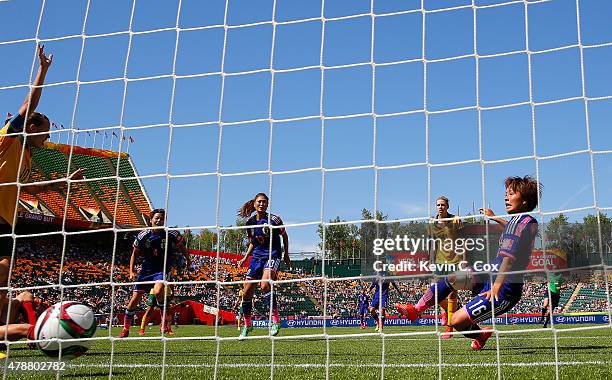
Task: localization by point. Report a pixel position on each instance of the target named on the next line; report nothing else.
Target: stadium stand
(87, 262)
(92, 200)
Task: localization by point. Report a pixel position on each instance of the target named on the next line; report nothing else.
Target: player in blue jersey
(380, 298)
(151, 244)
(363, 301)
(515, 247)
(267, 252)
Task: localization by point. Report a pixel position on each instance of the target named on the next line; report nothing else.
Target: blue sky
(347, 142)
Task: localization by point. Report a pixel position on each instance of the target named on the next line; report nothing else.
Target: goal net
(357, 119)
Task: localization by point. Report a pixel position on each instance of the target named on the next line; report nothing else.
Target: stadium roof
(111, 184)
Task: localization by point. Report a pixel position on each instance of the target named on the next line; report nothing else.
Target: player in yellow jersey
(31, 129)
(446, 226)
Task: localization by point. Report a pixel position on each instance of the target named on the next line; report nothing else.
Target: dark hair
(248, 207)
(37, 119)
(157, 211)
(528, 187)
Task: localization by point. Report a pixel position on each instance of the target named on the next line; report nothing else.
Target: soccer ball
(65, 320)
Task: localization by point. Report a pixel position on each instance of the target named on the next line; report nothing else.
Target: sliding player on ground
(23, 313)
(500, 292)
(265, 261)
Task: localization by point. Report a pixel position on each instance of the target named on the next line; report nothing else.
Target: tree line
(345, 241)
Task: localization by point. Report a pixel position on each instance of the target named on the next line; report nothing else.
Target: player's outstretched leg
(467, 322)
(427, 300)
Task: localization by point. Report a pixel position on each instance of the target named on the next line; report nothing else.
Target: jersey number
(477, 310)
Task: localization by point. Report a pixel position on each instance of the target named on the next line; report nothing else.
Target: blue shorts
(258, 265)
(480, 308)
(145, 288)
(377, 298)
(363, 309)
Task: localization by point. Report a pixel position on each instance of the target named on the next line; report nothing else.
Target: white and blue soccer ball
(65, 320)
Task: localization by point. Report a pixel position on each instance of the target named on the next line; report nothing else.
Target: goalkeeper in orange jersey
(446, 226)
(497, 290)
(31, 129)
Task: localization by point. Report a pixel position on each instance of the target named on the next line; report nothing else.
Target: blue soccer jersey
(153, 248)
(364, 300)
(516, 243)
(386, 284)
(260, 236)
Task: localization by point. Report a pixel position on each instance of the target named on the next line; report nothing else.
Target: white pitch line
(342, 365)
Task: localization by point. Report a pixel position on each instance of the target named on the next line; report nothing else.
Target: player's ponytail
(248, 207)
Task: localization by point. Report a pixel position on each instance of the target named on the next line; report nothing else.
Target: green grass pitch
(348, 354)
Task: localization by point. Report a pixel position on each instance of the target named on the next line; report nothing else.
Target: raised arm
(488, 212)
(33, 98)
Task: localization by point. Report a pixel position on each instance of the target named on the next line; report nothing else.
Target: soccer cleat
(481, 340)
(141, 332)
(124, 333)
(446, 334)
(2, 355)
(377, 329)
(244, 332)
(407, 310)
(274, 329)
(170, 332)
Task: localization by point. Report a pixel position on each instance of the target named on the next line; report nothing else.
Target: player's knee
(459, 318)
